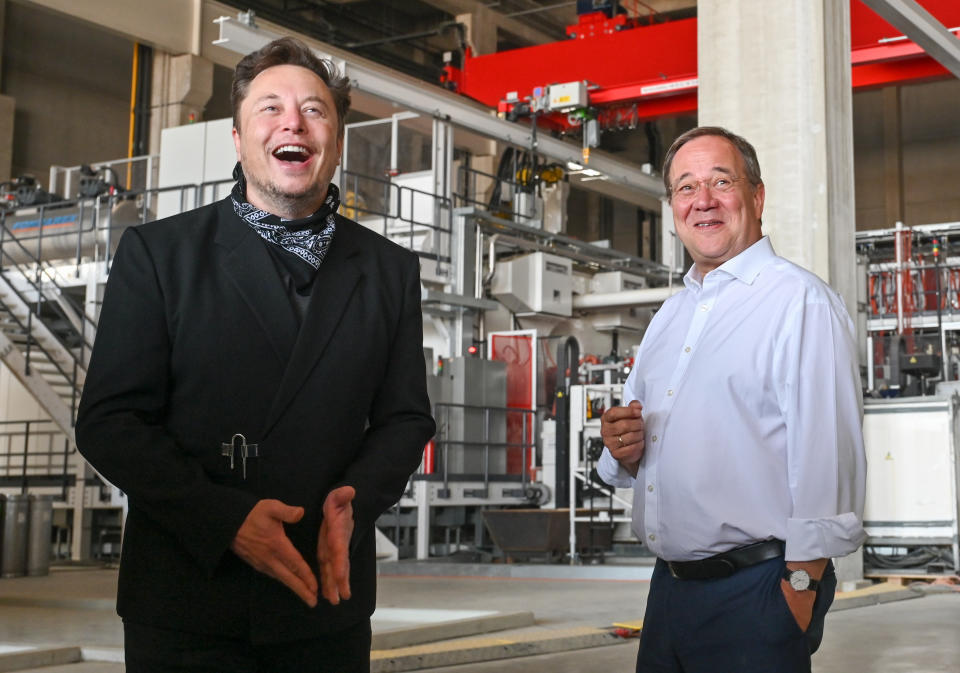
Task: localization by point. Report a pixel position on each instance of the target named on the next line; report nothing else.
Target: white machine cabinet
(912, 472)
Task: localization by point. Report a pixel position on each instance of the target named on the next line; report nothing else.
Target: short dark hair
(745, 148)
(289, 51)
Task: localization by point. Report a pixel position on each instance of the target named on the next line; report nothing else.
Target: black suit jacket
(198, 341)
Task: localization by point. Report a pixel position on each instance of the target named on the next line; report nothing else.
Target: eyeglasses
(719, 184)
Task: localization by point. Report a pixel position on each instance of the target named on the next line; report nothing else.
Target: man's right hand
(262, 542)
(622, 431)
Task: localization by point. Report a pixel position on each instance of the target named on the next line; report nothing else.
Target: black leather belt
(727, 563)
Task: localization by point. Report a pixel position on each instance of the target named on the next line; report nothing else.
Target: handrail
(94, 216)
(390, 186)
(5, 233)
(25, 468)
(443, 444)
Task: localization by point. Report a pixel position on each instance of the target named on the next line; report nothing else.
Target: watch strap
(814, 584)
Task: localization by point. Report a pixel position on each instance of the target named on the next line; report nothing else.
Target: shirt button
(703, 307)
(669, 392)
(650, 488)
(654, 438)
(652, 537)
(687, 349)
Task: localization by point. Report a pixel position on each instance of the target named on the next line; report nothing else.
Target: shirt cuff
(612, 472)
(826, 537)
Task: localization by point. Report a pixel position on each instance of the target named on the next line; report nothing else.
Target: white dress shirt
(752, 408)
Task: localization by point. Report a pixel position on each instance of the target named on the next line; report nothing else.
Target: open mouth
(704, 225)
(292, 153)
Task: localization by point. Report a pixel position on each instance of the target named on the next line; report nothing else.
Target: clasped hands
(262, 543)
(622, 431)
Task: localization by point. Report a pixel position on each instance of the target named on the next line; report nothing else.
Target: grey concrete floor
(913, 636)
(75, 608)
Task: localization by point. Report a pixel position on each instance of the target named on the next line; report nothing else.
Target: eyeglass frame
(733, 181)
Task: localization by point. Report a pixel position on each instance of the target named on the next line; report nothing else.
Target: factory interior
(515, 146)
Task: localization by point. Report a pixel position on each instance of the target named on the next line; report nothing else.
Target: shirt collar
(745, 267)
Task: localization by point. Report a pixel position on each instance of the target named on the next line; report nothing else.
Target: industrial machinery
(528, 331)
(910, 296)
(23, 192)
(623, 64)
(909, 318)
(912, 509)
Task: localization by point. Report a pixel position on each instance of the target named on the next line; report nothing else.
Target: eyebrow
(272, 96)
(716, 169)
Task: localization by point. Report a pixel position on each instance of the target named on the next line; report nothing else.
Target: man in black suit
(257, 389)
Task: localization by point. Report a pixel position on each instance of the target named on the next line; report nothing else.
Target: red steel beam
(655, 67)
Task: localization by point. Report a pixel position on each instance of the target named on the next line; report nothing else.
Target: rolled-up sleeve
(821, 403)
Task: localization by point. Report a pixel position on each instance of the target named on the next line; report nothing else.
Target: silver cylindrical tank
(13, 556)
(40, 529)
(84, 229)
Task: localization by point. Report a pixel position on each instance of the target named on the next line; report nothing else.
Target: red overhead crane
(624, 70)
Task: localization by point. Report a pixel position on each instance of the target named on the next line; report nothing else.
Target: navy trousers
(150, 649)
(736, 624)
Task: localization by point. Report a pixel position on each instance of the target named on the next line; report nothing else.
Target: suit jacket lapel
(248, 265)
(336, 280)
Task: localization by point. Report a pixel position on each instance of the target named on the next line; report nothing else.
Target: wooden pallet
(905, 578)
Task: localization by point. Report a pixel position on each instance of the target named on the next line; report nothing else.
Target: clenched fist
(622, 431)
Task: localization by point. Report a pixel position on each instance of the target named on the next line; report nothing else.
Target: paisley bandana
(308, 238)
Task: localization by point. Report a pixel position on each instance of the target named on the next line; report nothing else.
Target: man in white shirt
(742, 435)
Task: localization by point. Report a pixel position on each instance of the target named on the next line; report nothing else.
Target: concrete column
(182, 85)
(778, 73)
(481, 30)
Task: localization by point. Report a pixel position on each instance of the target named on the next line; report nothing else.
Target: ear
(340, 149)
(236, 141)
(758, 196)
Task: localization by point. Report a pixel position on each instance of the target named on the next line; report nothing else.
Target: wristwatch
(800, 580)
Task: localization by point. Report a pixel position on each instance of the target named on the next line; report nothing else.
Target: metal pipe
(898, 247)
(649, 296)
(477, 263)
(491, 259)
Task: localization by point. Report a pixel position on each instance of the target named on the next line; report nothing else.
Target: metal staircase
(44, 338)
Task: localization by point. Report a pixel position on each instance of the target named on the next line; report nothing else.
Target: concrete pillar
(778, 73)
(182, 85)
(480, 27)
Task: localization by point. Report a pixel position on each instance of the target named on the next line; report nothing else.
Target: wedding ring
(620, 439)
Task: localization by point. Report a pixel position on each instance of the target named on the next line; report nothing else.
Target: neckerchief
(308, 238)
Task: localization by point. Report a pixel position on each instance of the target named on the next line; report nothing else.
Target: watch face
(800, 580)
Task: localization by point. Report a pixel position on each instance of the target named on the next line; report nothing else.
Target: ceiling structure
(411, 36)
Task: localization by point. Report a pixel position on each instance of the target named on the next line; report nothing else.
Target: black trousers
(737, 624)
(149, 649)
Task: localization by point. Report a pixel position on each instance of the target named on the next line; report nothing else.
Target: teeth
(290, 148)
